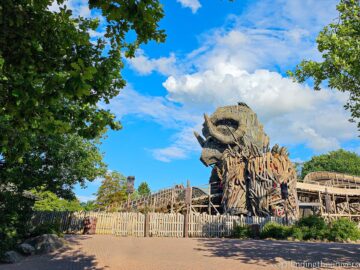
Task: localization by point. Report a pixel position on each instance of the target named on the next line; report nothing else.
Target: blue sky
(218, 53)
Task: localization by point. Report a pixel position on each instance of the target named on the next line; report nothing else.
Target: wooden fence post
(188, 196)
(147, 225)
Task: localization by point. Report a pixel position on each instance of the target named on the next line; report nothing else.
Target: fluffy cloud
(292, 113)
(194, 5)
(145, 66)
(79, 7)
(164, 112)
(245, 61)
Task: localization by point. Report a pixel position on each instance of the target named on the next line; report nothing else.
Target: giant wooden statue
(247, 172)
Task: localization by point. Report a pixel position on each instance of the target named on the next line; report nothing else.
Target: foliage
(112, 191)
(275, 230)
(297, 233)
(53, 74)
(88, 206)
(48, 201)
(343, 229)
(47, 228)
(339, 44)
(313, 227)
(336, 161)
(143, 189)
(242, 231)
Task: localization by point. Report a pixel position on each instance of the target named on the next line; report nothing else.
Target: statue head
(235, 126)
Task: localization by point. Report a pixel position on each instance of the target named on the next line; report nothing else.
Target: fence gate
(129, 224)
(168, 225)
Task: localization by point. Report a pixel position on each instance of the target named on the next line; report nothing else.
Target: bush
(312, 222)
(343, 229)
(312, 227)
(275, 230)
(297, 233)
(242, 231)
(47, 228)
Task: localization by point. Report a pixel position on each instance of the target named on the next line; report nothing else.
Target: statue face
(230, 126)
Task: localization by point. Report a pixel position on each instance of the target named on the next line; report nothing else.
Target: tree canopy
(53, 75)
(48, 201)
(112, 191)
(143, 189)
(339, 45)
(56, 163)
(336, 161)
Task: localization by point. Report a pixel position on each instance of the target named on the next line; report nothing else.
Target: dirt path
(102, 252)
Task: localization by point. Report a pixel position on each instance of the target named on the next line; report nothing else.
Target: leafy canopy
(48, 201)
(143, 189)
(53, 75)
(112, 191)
(339, 44)
(336, 161)
(56, 163)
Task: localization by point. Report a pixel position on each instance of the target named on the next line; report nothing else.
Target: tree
(48, 201)
(53, 75)
(55, 164)
(88, 206)
(340, 161)
(112, 191)
(339, 44)
(143, 189)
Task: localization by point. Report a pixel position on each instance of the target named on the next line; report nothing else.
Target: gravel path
(102, 252)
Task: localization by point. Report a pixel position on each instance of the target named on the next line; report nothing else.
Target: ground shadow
(66, 258)
(267, 252)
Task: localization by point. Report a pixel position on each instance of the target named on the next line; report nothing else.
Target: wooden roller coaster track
(333, 194)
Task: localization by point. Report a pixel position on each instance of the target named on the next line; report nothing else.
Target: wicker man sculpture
(245, 170)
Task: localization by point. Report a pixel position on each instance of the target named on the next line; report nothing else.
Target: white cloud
(164, 112)
(145, 66)
(79, 7)
(244, 61)
(194, 5)
(154, 108)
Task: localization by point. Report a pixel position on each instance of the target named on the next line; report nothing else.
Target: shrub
(312, 227)
(47, 228)
(242, 231)
(275, 230)
(343, 229)
(312, 222)
(297, 233)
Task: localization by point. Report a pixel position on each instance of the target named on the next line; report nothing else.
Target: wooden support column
(188, 197)
(209, 198)
(348, 205)
(172, 200)
(321, 204)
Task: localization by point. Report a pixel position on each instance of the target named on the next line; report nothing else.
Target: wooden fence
(152, 224)
(169, 225)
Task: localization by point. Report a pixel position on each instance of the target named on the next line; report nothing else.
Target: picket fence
(151, 224)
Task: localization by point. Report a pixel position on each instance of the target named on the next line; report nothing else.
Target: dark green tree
(339, 45)
(53, 75)
(53, 164)
(143, 189)
(48, 201)
(88, 206)
(336, 161)
(112, 191)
